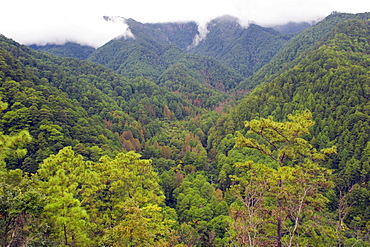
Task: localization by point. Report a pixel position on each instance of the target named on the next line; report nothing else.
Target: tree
(127, 208)
(19, 200)
(112, 201)
(11, 145)
(145, 226)
(20, 207)
(64, 184)
(199, 205)
(282, 203)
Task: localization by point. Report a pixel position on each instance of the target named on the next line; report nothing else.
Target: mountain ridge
(287, 28)
(185, 122)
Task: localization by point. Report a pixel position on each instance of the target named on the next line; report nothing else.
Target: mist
(91, 31)
(44, 21)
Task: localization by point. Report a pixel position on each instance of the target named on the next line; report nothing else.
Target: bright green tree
(127, 208)
(61, 179)
(11, 145)
(20, 207)
(110, 202)
(128, 181)
(19, 200)
(199, 205)
(141, 226)
(281, 204)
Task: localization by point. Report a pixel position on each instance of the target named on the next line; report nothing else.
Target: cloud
(43, 27)
(202, 33)
(45, 21)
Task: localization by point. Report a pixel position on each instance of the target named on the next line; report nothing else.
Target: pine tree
(281, 204)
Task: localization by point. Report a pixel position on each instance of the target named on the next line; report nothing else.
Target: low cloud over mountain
(40, 21)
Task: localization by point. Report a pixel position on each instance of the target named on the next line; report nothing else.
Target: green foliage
(69, 49)
(119, 199)
(65, 102)
(11, 146)
(331, 81)
(297, 47)
(244, 49)
(21, 204)
(201, 80)
(281, 204)
(110, 201)
(144, 226)
(281, 141)
(62, 178)
(199, 205)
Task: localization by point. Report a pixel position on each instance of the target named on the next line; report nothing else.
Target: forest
(253, 137)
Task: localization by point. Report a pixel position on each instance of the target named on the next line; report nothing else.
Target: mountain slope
(298, 46)
(64, 101)
(202, 80)
(333, 82)
(150, 55)
(67, 50)
(178, 34)
(136, 57)
(243, 49)
(156, 49)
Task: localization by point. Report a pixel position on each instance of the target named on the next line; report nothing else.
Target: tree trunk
(65, 234)
(279, 221)
(279, 233)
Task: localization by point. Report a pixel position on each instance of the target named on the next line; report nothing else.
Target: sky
(54, 21)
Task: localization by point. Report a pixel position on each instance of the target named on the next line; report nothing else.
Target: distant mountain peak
(115, 18)
(226, 18)
(204, 29)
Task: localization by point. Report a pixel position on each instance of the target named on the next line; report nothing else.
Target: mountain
(244, 49)
(298, 46)
(179, 34)
(213, 60)
(159, 49)
(68, 102)
(292, 27)
(88, 123)
(332, 81)
(67, 50)
(202, 80)
(155, 48)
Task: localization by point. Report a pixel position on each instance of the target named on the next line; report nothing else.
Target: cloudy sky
(48, 21)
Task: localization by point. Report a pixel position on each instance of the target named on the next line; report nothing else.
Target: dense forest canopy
(145, 141)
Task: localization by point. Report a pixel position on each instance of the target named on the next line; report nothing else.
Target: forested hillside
(66, 50)
(168, 157)
(211, 61)
(157, 50)
(300, 44)
(65, 102)
(244, 49)
(145, 57)
(155, 46)
(331, 81)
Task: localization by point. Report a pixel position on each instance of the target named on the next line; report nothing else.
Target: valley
(245, 136)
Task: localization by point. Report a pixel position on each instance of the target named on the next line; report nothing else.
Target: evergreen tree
(281, 204)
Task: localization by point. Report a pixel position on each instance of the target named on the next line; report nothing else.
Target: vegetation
(281, 203)
(67, 50)
(331, 82)
(168, 157)
(243, 49)
(298, 47)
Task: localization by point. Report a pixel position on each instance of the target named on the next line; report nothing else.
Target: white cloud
(43, 21)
